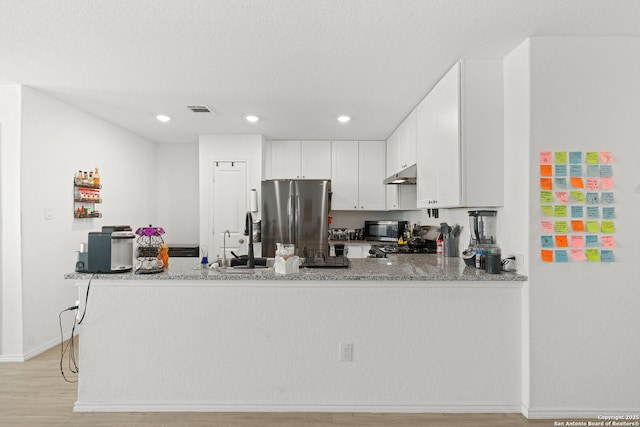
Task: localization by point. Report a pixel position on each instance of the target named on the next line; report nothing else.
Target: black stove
(381, 251)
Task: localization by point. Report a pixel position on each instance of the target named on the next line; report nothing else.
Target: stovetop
(381, 251)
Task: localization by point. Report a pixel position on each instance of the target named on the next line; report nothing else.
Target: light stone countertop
(402, 267)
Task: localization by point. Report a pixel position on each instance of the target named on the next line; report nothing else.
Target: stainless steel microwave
(385, 231)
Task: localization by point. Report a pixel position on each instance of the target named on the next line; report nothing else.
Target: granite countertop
(401, 267)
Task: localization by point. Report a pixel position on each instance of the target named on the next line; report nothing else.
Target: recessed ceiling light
(252, 119)
(344, 119)
(163, 118)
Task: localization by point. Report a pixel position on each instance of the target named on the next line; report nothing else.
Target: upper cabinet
(300, 159)
(358, 169)
(460, 138)
(407, 133)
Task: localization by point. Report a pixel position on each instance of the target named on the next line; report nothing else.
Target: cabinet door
(448, 139)
(392, 167)
(372, 161)
(407, 142)
(344, 175)
(427, 154)
(315, 159)
(285, 159)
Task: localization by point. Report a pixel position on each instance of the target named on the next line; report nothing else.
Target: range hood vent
(404, 177)
(200, 109)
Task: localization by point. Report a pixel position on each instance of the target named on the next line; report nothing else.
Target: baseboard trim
(287, 407)
(33, 353)
(586, 414)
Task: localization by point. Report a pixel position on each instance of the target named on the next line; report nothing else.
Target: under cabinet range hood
(404, 177)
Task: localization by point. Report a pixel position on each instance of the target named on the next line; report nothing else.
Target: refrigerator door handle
(291, 213)
(296, 222)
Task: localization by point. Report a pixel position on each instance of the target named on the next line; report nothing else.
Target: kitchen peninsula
(427, 335)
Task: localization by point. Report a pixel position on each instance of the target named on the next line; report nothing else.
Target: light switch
(48, 212)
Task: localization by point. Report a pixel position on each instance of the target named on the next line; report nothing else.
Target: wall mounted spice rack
(86, 196)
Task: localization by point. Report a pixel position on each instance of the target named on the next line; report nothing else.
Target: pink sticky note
(607, 241)
(547, 226)
(606, 157)
(562, 196)
(545, 157)
(592, 184)
(578, 254)
(607, 183)
(577, 241)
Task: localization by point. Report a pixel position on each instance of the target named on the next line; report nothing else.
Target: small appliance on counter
(108, 251)
(384, 231)
(483, 241)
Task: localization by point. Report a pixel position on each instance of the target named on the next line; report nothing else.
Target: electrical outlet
(519, 260)
(346, 352)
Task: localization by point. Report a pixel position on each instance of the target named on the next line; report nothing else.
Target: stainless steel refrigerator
(295, 211)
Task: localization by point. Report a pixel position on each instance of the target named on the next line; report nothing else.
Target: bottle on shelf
(96, 178)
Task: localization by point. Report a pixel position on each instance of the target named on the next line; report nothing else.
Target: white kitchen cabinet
(301, 159)
(357, 171)
(399, 197)
(407, 142)
(460, 138)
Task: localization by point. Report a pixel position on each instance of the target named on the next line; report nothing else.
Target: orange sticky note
(577, 241)
(577, 226)
(577, 182)
(562, 242)
(547, 255)
(546, 170)
(545, 157)
(607, 241)
(607, 183)
(606, 157)
(546, 183)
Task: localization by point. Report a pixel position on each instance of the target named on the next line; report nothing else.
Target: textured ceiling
(296, 64)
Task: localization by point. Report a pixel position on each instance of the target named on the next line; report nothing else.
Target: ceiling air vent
(200, 109)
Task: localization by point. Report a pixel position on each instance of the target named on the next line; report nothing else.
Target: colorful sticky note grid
(547, 255)
(546, 170)
(560, 157)
(576, 211)
(593, 226)
(547, 226)
(577, 255)
(546, 197)
(546, 157)
(562, 241)
(546, 183)
(607, 241)
(606, 255)
(578, 196)
(546, 241)
(577, 241)
(560, 170)
(606, 198)
(561, 256)
(560, 182)
(608, 227)
(607, 183)
(592, 158)
(575, 170)
(606, 157)
(606, 171)
(560, 210)
(577, 226)
(575, 157)
(547, 210)
(608, 213)
(593, 255)
(577, 182)
(561, 227)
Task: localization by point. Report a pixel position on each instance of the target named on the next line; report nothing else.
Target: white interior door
(229, 207)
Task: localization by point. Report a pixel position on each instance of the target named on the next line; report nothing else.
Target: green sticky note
(593, 226)
(592, 158)
(560, 210)
(608, 227)
(561, 157)
(578, 196)
(593, 254)
(547, 210)
(562, 227)
(546, 197)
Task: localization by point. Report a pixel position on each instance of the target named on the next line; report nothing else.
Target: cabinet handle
(355, 207)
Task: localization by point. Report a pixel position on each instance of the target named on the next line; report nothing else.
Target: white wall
(585, 96)
(177, 192)
(226, 147)
(10, 250)
(57, 141)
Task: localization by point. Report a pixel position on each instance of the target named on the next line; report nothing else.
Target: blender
(482, 224)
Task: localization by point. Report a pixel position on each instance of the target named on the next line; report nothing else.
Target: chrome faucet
(248, 231)
(224, 247)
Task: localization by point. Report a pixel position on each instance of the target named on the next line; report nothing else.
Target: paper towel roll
(253, 200)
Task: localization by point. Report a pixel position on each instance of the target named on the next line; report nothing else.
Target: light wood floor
(34, 393)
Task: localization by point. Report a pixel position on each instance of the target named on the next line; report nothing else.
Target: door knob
(241, 241)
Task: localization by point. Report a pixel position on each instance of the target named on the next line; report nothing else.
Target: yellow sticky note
(593, 255)
(578, 196)
(593, 226)
(547, 210)
(608, 227)
(546, 197)
(560, 210)
(562, 227)
(561, 157)
(592, 158)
